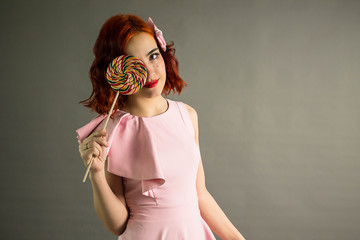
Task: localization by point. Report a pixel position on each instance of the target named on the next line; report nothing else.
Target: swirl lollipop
(126, 75)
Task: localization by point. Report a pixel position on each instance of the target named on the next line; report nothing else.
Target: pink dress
(158, 159)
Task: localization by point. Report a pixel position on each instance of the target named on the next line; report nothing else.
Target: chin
(152, 94)
(156, 91)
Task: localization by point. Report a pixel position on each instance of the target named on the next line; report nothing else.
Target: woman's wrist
(97, 175)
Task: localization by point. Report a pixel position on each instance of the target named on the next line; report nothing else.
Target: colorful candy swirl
(126, 74)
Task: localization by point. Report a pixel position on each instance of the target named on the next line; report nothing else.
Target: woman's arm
(109, 200)
(209, 209)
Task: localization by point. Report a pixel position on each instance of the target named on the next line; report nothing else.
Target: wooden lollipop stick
(106, 122)
(88, 169)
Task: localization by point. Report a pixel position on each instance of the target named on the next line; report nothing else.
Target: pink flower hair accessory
(158, 34)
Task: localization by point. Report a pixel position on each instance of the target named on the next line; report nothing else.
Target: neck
(145, 107)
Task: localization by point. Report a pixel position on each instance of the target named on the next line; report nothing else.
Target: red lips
(152, 84)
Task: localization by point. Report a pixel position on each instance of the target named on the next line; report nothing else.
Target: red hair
(111, 43)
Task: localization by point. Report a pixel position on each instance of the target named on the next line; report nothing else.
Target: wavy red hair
(111, 43)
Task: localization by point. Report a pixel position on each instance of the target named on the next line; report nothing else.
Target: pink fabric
(158, 34)
(158, 159)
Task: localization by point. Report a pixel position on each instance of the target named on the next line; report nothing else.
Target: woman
(152, 185)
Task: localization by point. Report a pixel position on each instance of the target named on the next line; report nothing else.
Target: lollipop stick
(111, 109)
(106, 122)
(88, 169)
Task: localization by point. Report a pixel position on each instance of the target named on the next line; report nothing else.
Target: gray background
(275, 83)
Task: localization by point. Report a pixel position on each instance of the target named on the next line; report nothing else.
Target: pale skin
(109, 200)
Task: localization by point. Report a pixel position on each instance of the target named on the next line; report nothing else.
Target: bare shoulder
(192, 113)
(194, 120)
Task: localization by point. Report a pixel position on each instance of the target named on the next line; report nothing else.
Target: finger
(104, 152)
(100, 140)
(95, 147)
(89, 154)
(99, 133)
(98, 148)
(85, 146)
(102, 158)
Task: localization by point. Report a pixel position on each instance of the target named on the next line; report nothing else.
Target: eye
(154, 56)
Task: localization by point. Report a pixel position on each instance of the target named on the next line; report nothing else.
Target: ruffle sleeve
(132, 152)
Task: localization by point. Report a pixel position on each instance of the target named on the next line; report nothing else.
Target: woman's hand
(94, 146)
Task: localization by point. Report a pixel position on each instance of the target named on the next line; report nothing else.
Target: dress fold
(131, 152)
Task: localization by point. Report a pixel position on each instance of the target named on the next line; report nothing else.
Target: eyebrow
(152, 51)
